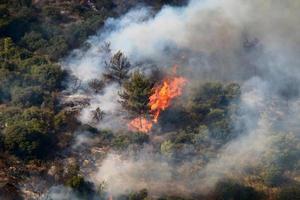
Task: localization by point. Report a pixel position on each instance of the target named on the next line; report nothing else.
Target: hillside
(143, 99)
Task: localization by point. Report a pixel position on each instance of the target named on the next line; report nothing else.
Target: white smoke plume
(147, 169)
(109, 105)
(255, 42)
(60, 193)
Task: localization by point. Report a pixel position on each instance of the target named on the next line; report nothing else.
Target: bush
(57, 48)
(273, 176)
(1, 142)
(141, 195)
(167, 148)
(53, 13)
(24, 141)
(138, 138)
(28, 136)
(33, 41)
(289, 193)
(61, 121)
(121, 142)
(229, 190)
(48, 76)
(26, 97)
(75, 182)
(135, 94)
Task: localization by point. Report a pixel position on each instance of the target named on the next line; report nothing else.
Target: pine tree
(135, 94)
(117, 69)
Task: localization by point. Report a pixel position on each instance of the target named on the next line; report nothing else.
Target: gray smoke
(254, 42)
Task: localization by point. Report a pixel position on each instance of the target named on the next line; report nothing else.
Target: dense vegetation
(35, 127)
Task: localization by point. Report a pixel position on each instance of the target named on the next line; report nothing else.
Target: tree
(25, 141)
(96, 85)
(232, 92)
(289, 193)
(141, 195)
(7, 49)
(48, 76)
(135, 94)
(4, 17)
(33, 41)
(29, 136)
(273, 176)
(167, 148)
(210, 93)
(229, 190)
(26, 97)
(53, 13)
(117, 69)
(57, 47)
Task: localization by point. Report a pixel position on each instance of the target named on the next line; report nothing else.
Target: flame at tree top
(160, 100)
(164, 94)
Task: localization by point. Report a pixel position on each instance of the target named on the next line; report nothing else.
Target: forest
(149, 99)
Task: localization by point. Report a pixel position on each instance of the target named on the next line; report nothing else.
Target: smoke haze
(255, 42)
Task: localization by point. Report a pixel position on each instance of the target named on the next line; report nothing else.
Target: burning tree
(159, 100)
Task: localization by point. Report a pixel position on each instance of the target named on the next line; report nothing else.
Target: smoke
(60, 193)
(109, 105)
(222, 40)
(160, 175)
(234, 40)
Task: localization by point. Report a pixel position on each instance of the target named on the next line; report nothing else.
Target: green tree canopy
(135, 94)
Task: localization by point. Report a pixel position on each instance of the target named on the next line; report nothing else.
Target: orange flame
(164, 94)
(159, 101)
(140, 124)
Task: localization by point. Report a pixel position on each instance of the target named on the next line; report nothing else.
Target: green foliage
(48, 76)
(8, 49)
(33, 41)
(1, 142)
(75, 182)
(141, 195)
(138, 138)
(57, 47)
(121, 142)
(24, 141)
(289, 193)
(25, 78)
(78, 33)
(96, 85)
(212, 104)
(273, 176)
(27, 97)
(173, 198)
(229, 190)
(201, 135)
(166, 148)
(29, 135)
(135, 94)
(62, 121)
(4, 16)
(52, 13)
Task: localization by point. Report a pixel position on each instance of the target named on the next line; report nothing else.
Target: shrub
(24, 141)
(229, 190)
(289, 193)
(26, 97)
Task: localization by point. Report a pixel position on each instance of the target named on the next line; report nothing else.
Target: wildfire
(164, 94)
(140, 124)
(160, 100)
